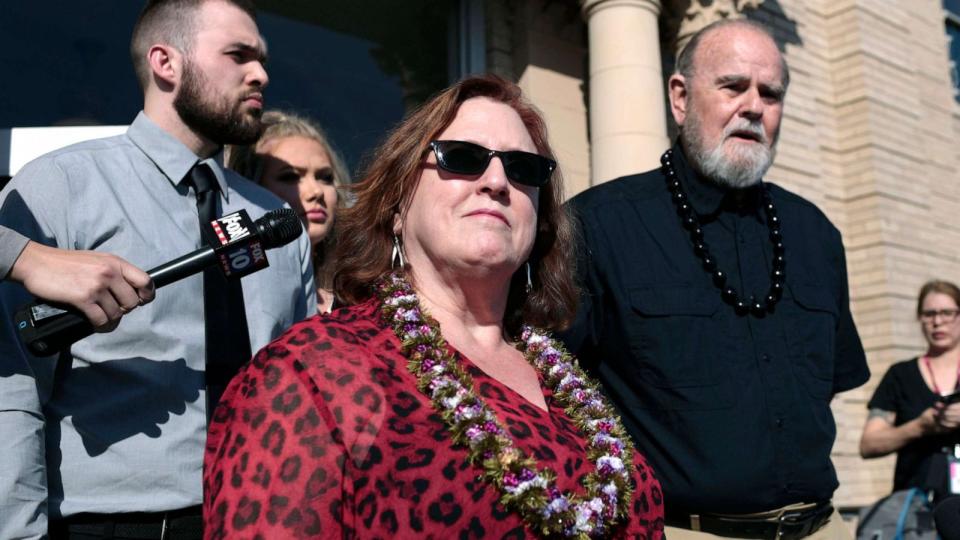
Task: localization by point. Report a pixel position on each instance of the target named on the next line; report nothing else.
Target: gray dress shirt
(125, 428)
(11, 245)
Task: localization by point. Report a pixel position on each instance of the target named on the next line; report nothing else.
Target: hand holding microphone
(103, 287)
(237, 246)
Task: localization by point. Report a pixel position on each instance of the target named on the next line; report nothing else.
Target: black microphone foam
(278, 227)
(947, 518)
(47, 329)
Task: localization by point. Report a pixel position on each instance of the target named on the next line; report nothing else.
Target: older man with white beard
(715, 307)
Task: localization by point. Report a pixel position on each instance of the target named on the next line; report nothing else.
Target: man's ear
(678, 92)
(166, 64)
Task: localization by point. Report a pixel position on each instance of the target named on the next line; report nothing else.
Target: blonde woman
(294, 159)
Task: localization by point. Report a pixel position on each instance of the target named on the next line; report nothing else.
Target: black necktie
(225, 321)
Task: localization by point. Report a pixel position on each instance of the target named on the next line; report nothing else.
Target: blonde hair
(249, 161)
(246, 160)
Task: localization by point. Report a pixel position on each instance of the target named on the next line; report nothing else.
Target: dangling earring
(529, 278)
(396, 254)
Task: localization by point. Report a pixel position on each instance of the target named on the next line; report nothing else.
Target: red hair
(937, 286)
(365, 231)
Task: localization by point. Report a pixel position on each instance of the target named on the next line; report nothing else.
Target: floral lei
(525, 489)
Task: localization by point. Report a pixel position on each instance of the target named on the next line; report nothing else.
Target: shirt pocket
(810, 326)
(679, 346)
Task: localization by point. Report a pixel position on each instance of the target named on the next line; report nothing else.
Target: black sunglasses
(463, 157)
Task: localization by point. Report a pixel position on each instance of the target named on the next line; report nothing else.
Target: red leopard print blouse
(324, 435)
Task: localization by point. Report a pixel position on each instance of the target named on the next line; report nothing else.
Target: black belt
(790, 525)
(184, 524)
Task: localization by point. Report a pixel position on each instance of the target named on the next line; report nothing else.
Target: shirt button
(765, 357)
(779, 422)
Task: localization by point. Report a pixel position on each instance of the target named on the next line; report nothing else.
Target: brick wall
(892, 147)
(871, 134)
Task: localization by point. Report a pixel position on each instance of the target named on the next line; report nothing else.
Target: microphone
(947, 518)
(237, 246)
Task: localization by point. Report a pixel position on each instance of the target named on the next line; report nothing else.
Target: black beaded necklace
(691, 223)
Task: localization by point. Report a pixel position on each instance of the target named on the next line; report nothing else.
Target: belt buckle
(787, 518)
(805, 525)
(164, 526)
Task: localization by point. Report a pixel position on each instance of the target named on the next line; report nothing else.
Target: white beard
(746, 166)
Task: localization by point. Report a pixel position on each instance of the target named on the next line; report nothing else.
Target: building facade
(871, 129)
(871, 134)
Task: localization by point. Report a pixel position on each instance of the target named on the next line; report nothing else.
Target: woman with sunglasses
(437, 405)
(912, 411)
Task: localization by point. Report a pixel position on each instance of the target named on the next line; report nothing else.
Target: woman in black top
(907, 415)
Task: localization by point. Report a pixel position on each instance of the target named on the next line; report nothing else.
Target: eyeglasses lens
(523, 168)
(463, 159)
(468, 158)
(946, 315)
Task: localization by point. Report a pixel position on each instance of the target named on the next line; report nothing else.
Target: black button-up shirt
(732, 411)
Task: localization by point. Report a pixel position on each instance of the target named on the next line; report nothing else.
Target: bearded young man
(108, 441)
(716, 308)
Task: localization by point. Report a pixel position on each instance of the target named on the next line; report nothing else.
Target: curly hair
(365, 235)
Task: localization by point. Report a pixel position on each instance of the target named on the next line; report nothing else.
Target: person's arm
(11, 245)
(273, 449)
(850, 364)
(881, 437)
(23, 478)
(583, 333)
(102, 286)
(23, 505)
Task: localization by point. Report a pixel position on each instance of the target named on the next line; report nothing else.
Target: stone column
(628, 129)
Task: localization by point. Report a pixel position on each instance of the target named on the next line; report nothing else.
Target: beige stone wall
(544, 50)
(871, 134)
(893, 150)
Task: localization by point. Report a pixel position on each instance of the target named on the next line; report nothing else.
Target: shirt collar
(709, 198)
(170, 155)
